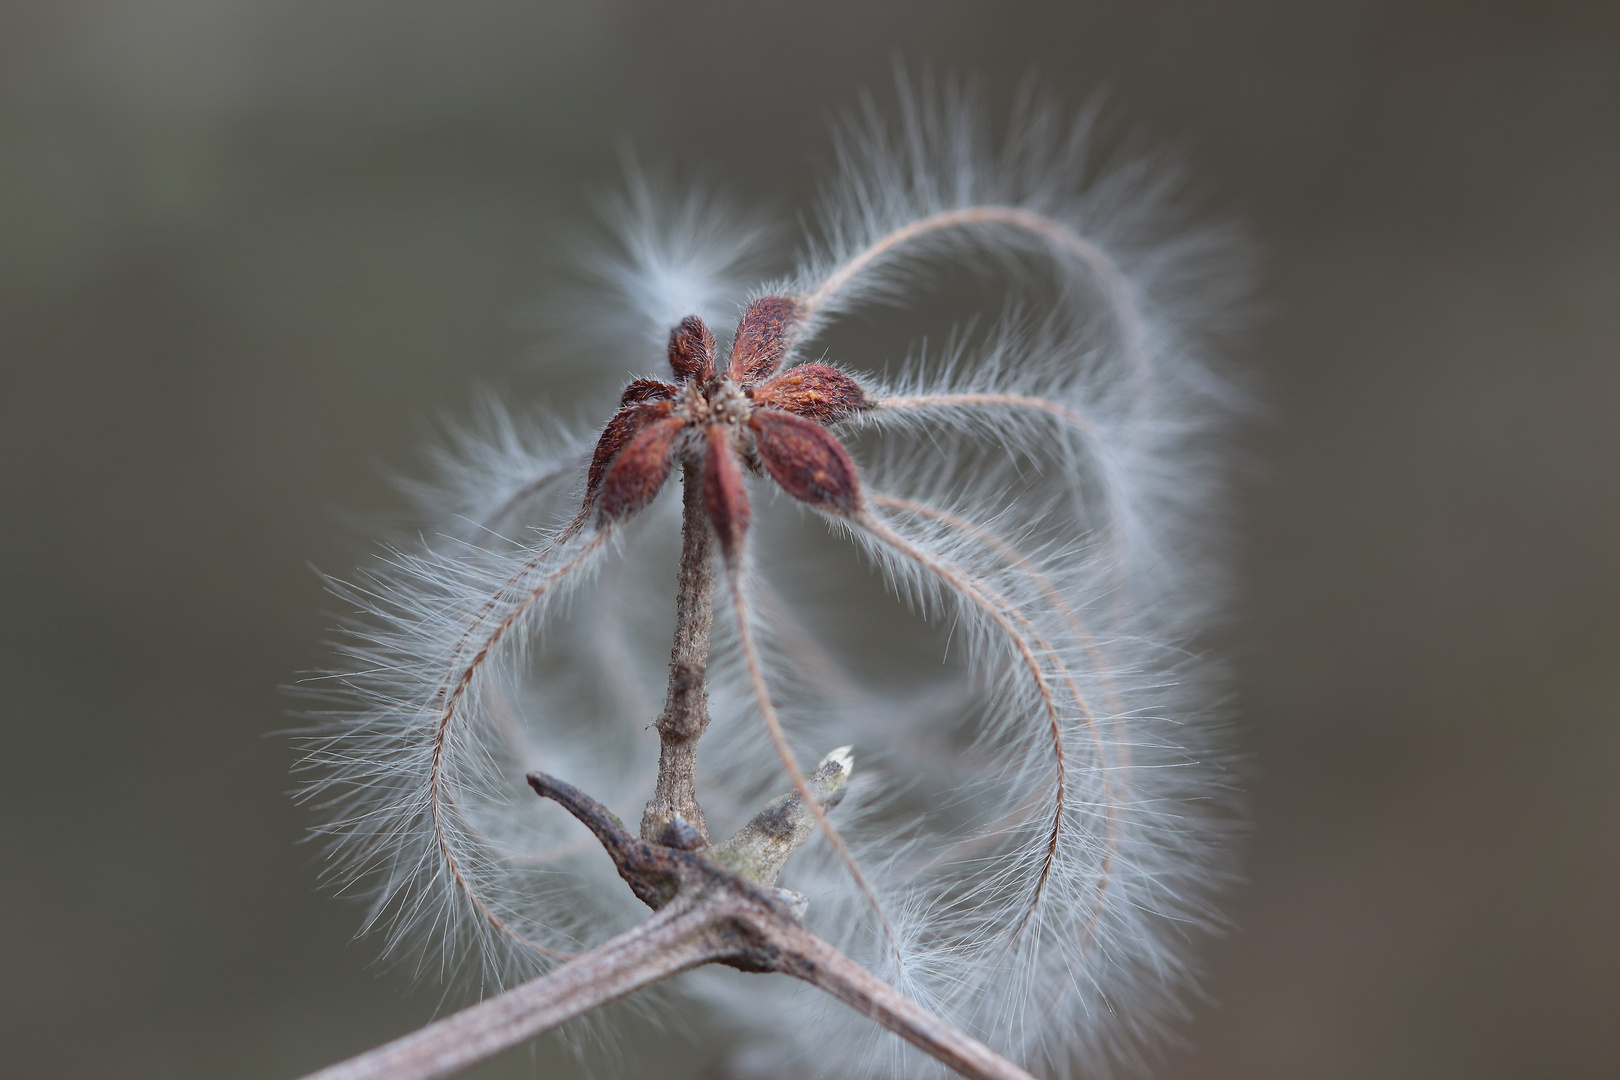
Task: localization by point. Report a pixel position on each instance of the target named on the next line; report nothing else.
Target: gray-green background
(249, 247)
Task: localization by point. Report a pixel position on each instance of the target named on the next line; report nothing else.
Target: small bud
(682, 834)
(839, 762)
(760, 848)
(795, 903)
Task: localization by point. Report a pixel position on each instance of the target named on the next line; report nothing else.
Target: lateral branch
(712, 905)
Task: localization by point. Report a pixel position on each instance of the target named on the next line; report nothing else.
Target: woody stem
(686, 707)
(679, 937)
(713, 906)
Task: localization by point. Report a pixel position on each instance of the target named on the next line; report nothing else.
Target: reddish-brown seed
(816, 392)
(723, 491)
(807, 460)
(640, 470)
(691, 350)
(647, 390)
(623, 427)
(763, 337)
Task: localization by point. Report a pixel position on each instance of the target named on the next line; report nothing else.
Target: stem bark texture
(686, 707)
(671, 941)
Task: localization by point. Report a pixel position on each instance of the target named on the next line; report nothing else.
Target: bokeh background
(249, 249)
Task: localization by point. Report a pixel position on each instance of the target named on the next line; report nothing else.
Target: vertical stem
(686, 708)
(677, 938)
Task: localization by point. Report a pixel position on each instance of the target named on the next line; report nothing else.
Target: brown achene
(769, 421)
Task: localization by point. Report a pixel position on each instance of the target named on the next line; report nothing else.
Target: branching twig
(717, 905)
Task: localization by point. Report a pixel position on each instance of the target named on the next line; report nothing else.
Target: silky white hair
(1045, 819)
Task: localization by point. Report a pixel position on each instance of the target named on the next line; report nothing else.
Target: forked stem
(708, 911)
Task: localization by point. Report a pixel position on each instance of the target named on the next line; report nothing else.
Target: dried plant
(1034, 834)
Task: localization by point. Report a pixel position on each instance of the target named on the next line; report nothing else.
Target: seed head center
(720, 402)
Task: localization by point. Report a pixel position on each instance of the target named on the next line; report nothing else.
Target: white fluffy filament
(829, 292)
(737, 585)
(1046, 821)
(482, 638)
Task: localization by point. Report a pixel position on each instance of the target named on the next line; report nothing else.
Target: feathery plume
(1040, 826)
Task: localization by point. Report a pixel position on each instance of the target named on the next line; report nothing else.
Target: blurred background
(249, 249)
